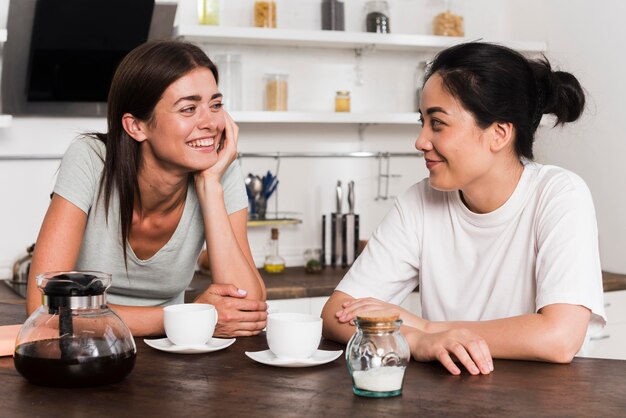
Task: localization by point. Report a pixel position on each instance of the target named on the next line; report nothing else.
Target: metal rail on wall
(383, 177)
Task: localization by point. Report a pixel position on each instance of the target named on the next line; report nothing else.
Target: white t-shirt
(539, 248)
(161, 279)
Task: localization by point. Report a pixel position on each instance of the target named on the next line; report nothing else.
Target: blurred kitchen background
(581, 36)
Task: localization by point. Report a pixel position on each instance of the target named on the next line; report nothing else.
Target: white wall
(587, 38)
(307, 185)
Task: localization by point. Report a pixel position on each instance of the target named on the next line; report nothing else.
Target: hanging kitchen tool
(336, 244)
(350, 235)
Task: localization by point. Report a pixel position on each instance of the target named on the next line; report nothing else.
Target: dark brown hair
(138, 84)
(498, 84)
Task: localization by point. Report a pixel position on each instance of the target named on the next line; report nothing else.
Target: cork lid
(386, 315)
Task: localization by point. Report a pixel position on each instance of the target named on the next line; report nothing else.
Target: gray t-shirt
(161, 279)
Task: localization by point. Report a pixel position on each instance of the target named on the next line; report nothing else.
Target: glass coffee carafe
(74, 339)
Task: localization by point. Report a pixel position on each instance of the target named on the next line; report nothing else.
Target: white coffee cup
(189, 324)
(293, 336)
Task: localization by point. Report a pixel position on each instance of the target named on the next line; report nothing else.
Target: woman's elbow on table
(565, 333)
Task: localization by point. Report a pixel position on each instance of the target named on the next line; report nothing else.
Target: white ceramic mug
(293, 336)
(189, 323)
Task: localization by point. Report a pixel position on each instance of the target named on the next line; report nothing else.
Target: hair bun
(558, 93)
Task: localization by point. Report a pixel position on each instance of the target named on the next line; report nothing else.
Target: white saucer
(319, 357)
(214, 344)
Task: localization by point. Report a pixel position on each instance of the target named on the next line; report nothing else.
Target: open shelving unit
(224, 35)
(334, 39)
(326, 117)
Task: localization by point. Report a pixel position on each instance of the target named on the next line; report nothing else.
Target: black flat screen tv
(60, 55)
(76, 46)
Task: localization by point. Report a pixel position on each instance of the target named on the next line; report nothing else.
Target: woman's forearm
(554, 335)
(228, 262)
(143, 321)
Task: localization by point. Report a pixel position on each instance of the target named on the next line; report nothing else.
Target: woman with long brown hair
(141, 200)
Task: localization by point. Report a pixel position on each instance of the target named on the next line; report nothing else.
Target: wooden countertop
(613, 281)
(294, 282)
(228, 383)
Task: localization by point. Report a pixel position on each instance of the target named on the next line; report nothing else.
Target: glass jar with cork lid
(377, 354)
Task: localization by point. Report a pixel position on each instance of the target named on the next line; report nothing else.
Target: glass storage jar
(265, 13)
(209, 12)
(276, 86)
(74, 339)
(377, 354)
(229, 67)
(447, 23)
(377, 17)
(342, 101)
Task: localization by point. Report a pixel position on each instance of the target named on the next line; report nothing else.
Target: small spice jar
(265, 14)
(377, 354)
(342, 101)
(377, 17)
(276, 92)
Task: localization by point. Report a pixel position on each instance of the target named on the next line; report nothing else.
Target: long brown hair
(137, 86)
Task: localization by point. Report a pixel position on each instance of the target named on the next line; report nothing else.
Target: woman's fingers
(467, 348)
(466, 360)
(231, 136)
(444, 358)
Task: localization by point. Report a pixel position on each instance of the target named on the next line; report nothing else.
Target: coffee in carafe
(74, 339)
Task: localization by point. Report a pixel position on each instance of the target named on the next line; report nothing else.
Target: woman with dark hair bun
(504, 250)
(141, 200)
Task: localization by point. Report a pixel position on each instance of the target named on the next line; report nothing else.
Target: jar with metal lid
(342, 101)
(377, 17)
(377, 354)
(265, 13)
(74, 339)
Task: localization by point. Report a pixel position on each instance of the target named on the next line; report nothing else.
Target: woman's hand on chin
(226, 151)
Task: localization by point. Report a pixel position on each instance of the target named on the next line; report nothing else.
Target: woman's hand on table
(237, 316)
(354, 307)
(468, 348)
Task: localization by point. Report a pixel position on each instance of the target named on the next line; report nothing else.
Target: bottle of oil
(274, 263)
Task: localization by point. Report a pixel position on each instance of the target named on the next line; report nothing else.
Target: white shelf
(3, 35)
(5, 121)
(326, 117)
(333, 39)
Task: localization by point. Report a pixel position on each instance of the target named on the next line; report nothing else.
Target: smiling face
(186, 126)
(456, 150)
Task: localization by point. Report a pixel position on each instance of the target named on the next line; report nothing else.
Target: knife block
(349, 238)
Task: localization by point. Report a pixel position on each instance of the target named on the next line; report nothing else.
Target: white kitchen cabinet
(299, 305)
(611, 341)
(311, 306)
(315, 305)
